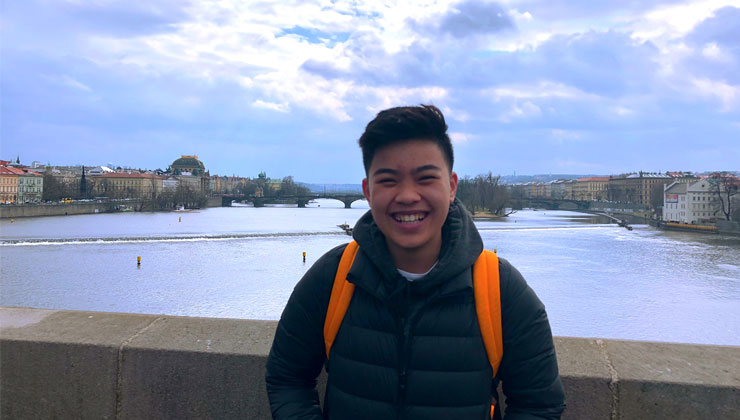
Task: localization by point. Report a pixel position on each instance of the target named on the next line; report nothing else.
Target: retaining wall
(97, 365)
(728, 226)
(16, 211)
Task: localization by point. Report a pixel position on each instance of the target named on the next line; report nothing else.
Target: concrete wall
(214, 202)
(96, 365)
(727, 226)
(53, 209)
(618, 207)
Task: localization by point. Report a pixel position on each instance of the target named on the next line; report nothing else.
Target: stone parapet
(97, 365)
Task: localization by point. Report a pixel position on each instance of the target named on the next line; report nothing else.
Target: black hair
(423, 122)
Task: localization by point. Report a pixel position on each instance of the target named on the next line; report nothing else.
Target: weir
(75, 364)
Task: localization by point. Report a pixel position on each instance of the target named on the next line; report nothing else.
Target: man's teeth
(409, 218)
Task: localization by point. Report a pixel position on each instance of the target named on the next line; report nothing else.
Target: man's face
(410, 188)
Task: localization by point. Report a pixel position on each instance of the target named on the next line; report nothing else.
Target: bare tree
(656, 195)
(725, 186)
(484, 193)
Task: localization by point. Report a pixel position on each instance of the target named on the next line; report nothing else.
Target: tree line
(259, 186)
(485, 193)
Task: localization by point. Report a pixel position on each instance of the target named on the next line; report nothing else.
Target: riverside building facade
(693, 203)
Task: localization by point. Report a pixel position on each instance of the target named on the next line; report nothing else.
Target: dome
(188, 164)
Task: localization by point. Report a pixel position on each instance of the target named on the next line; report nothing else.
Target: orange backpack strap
(488, 305)
(341, 295)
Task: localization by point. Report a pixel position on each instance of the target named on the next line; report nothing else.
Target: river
(596, 279)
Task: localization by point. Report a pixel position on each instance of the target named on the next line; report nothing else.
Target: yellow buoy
(138, 260)
(304, 256)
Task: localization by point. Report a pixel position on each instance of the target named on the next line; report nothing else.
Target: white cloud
(520, 16)
(455, 114)
(517, 111)
(623, 111)
(544, 89)
(713, 52)
(389, 96)
(271, 106)
(728, 95)
(74, 83)
(460, 138)
(674, 21)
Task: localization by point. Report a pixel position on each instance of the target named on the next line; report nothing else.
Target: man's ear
(366, 189)
(453, 186)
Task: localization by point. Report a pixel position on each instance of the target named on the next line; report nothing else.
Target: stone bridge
(300, 200)
(556, 204)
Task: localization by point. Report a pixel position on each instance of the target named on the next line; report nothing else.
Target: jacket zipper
(407, 320)
(405, 345)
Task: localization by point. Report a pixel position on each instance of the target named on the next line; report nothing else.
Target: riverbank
(69, 209)
(60, 209)
(487, 215)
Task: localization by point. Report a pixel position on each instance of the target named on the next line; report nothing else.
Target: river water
(596, 279)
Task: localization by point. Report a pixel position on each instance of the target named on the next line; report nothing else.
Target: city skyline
(527, 87)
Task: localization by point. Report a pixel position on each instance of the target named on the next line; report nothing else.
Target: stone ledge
(74, 364)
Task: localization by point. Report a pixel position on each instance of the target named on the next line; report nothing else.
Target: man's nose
(407, 194)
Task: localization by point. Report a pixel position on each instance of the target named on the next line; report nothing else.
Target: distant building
(685, 177)
(100, 170)
(123, 185)
(170, 183)
(569, 189)
(591, 188)
(274, 184)
(702, 204)
(189, 164)
(226, 184)
(545, 189)
(193, 183)
(674, 202)
(8, 185)
(30, 186)
(635, 188)
(694, 203)
(191, 173)
(557, 189)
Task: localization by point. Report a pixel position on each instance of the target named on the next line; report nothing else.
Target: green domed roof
(187, 162)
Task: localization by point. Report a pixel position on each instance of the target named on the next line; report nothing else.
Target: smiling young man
(409, 345)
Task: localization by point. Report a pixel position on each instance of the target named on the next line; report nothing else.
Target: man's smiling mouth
(409, 218)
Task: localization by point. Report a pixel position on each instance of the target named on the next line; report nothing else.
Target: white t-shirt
(415, 276)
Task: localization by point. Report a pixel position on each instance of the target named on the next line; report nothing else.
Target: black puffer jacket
(412, 350)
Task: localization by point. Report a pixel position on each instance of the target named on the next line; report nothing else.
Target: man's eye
(428, 178)
(386, 181)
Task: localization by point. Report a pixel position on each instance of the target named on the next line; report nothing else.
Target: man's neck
(418, 260)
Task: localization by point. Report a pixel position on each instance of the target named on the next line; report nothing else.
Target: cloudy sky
(527, 86)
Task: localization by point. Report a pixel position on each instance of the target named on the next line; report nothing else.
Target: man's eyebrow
(382, 171)
(427, 168)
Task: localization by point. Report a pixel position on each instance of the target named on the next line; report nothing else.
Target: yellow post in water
(138, 260)
(179, 219)
(494, 251)
(304, 256)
